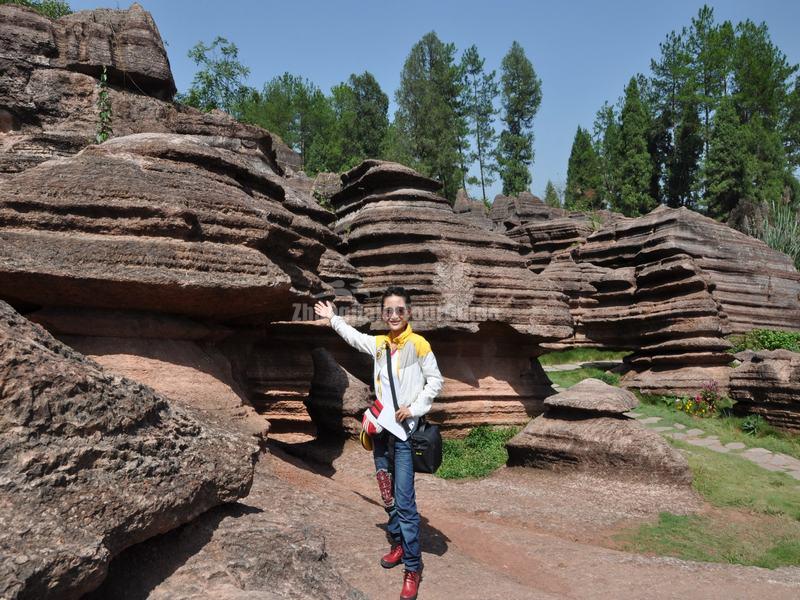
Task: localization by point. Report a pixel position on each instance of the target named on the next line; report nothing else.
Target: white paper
(387, 421)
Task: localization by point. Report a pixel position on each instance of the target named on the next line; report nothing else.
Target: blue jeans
(403, 524)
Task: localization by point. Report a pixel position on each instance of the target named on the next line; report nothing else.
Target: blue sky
(584, 52)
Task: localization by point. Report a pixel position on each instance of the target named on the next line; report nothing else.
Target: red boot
(411, 581)
(393, 558)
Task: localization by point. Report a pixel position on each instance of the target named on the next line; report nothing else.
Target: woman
(417, 382)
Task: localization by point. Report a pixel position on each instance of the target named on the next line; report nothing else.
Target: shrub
(780, 230)
(49, 8)
(766, 339)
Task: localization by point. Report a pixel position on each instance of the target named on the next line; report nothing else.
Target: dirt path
(519, 534)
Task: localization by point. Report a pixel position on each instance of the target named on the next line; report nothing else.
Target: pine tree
(429, 116)
(551, 195)
(684, 166)
(791, 127)
(634, 167)
(521, 97)
(728, 167)
(761, 75)
(296, 110)
(480, 90)
(360, 108)
(607, 147)
(583, 175)
(709, 46)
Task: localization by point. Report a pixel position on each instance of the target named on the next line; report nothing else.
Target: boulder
(91, 463)
(584, 428)
(767, 383)
(262, 548)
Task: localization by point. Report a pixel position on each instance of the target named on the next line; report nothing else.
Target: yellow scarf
(400, 339)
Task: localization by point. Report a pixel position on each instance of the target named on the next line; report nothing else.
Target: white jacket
(417, 379)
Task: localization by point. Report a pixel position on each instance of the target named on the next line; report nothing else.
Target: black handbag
(426, 441)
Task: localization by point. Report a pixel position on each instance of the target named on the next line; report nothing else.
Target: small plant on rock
(104, 130)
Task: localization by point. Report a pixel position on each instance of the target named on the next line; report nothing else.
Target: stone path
(772, 461)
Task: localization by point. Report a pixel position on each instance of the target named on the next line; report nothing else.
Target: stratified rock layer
(50, 85)
(669, 285)
(181, 224)
(398, 231)
(768, 384)
(583, 428)
(91, 463)
(483, 311)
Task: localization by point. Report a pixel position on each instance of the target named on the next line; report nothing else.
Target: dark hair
(396, 290)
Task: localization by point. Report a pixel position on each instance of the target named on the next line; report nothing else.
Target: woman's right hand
(324, 309)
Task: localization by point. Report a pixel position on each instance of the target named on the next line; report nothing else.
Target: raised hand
(324, 309)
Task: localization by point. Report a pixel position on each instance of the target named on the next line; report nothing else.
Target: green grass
(478, 454)
(581, 355)
(727, 480)
(758, 521)
(569, 378)
(728, 427)
(717, 538)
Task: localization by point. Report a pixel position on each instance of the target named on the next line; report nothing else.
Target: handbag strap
(391, 385)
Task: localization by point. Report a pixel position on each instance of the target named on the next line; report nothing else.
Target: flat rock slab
(91, 463)
(595, 396)
(735, 446)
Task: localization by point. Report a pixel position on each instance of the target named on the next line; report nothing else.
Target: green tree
(479, 92)
(583, 175)
(761, 75)
(634, 167)
(728, 168)
(709, 46)
(521, 93)
(551, 195)
(296, 110)
(791, 128)
(683, 169)
(607, 146)
(361, 110)
(220, 81)
(49, 8)
(429, 121)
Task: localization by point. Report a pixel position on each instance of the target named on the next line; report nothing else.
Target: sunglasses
(400, 311)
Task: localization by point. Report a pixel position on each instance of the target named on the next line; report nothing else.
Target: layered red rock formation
(768, 384)
(474, 211)
(483, 311)
(161, 222)
(49, 90)
(180, 213)
(92, 463)
(508, 212)
(669, 285)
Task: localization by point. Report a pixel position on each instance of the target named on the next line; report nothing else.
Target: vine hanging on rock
(104, 130)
